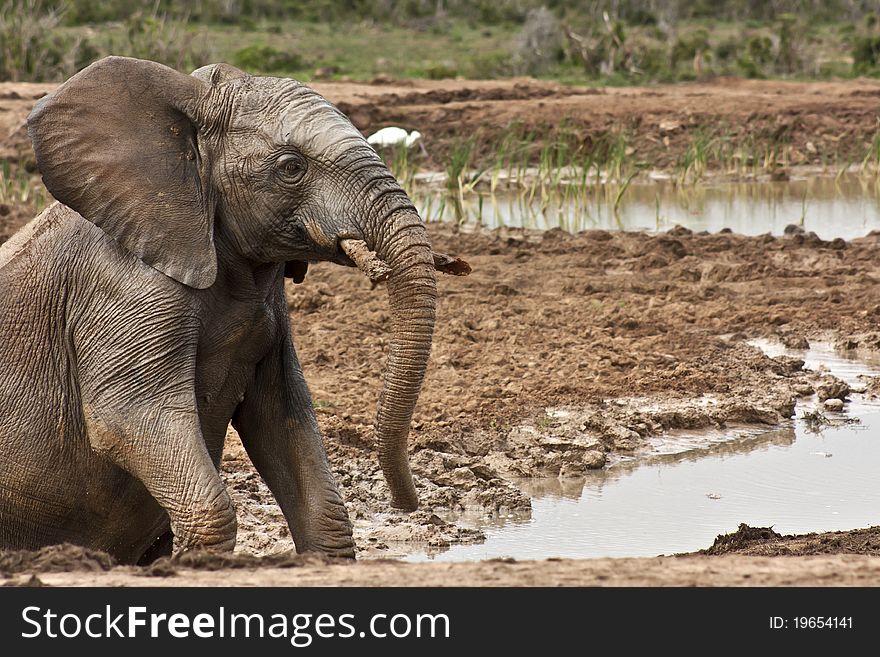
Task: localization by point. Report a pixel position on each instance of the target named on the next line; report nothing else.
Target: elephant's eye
(291, 166)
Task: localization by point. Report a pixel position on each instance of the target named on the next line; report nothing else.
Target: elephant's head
(176, 168)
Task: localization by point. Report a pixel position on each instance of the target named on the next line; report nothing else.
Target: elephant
(144, 310)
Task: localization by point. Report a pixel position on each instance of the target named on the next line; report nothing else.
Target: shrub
(266, 59)
(726, 50)
(89, 11)
(490, 65)
(158, 37)
(758, 52)
(788, 56)
(865, 53)
(30, 49)
(539, 43)
(686, 48)
(442, 71)
(652, 62)
(639, 16)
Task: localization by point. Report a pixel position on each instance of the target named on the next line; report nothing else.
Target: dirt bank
(815, 123)
(818, 123)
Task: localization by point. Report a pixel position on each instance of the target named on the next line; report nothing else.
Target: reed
(19, 188)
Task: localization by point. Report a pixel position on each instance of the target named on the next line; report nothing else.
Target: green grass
(871, 161)
(298, 49)
(43, 40)
(18, 187)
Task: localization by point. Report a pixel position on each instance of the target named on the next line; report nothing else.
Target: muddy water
(688, 488)
(846, 206)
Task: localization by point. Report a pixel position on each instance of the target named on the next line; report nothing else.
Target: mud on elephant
(145, 310)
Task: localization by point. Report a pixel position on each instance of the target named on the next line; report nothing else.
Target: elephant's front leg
(279, 430)
(165, 451)
(140, 411)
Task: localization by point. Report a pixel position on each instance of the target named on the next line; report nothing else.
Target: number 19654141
(811, 622)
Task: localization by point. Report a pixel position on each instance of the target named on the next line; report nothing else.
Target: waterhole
(689, 487)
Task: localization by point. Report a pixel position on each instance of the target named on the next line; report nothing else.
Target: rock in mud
(833, 404)
(832, 388)
(872, 386)
(803, 389)
(594, 460)
(744, 536)
(789, 364)
(568, 470)
(795, 341)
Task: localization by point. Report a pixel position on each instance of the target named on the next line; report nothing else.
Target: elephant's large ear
(118, 143)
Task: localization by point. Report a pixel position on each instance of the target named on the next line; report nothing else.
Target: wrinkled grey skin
(145, 311)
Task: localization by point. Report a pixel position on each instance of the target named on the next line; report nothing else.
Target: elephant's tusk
(377, 270)
(367, 261)
(451, 265)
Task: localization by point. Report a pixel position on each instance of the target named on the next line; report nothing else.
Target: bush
(442, 71)
(490, 65)
(865, 53)
(790, 33)
(759, 49)
(639, 16)
(757, 54)
(160, 38)
(30, 48)
(726, 50)
(80, 12)
(266, 59)
(247, 24)
(686, 48)
(652, 62)
(539, 44)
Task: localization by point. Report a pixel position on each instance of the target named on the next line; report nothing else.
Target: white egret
(394, 136)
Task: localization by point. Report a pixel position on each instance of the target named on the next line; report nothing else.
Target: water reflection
(846, 206)
(728, 443)
(851, 366)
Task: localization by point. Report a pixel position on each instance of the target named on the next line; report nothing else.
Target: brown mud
(817, 122)
(838, 569)
(764, 542)
(557, 354)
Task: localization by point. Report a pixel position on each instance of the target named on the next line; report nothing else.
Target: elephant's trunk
(412, 293)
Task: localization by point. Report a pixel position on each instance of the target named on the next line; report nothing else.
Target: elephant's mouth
(297, 266)
(316, 242)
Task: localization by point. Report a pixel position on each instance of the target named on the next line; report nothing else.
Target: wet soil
(562, 352)
(558, 354)
(763, 541)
